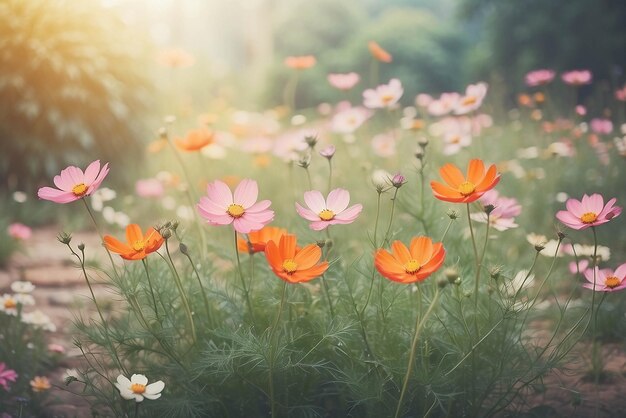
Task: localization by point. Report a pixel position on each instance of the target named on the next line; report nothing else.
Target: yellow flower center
(235, 210)
(79, 190)
(589, 217)
(326, 215)
(138, 388)
(10, 304)
(455, 139)
(469, 100)
(387, 98)
(412, 266)
(138, 245)
(612, 282)
(290, 266)
(467, 188)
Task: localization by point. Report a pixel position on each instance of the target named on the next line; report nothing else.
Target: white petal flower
(137, 387)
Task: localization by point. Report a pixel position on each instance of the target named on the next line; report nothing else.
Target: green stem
(393, 207)
(243, 282)
(95, 224)
(419, 325)
(204, 296)
(330, 302)
(469, 220)
(273, 348)
(330, 173)
(145, 265)
(179, 285)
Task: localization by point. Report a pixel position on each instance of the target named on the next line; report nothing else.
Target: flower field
(383, 253)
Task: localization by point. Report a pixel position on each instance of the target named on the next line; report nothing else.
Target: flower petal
(133, 234)
(451, 175)
(338, 200)
(139, 378)
(315, 201)
(154, 388)
(246, 193)
(219, 193)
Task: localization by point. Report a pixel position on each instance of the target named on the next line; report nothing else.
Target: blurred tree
(72, 88)
(519, 36)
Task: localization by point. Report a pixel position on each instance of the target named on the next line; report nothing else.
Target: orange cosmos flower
(300, 63)
(293, 265)
(378, 52)
(461, 189)
(138, 246)
(175, 58)
(259, 239)
(410, 265)
(195, 140)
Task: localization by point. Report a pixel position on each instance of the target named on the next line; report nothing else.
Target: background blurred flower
(175, 58)
(538, 77)
(577, 77)
(6, 375)
(300, 62)
(383, 96)
(149, 188)
(195, 140)
(378, 52)
(22, 287)
(40, 384)
(601, 126)
(19, 231)
(505, 209)
(472, 100)
(349, 120)
(343, 81)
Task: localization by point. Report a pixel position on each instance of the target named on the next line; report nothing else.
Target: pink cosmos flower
(577, 77)
(343, 81)
(73, 184)
(221, 207)
(19, 231)
(423, 100)
(502, 217)
(539, 77)
(472, 100)
(620, 94)
(590, 211)
(581, 110)
(444, 105)
(349, 120)
(332, 211)
(384, 145)
(6, 376)
(581, 266)
(384, 96)
(601, 126)
(328, 152)
(606, 280)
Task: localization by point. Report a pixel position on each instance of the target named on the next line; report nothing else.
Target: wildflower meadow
(329, 229)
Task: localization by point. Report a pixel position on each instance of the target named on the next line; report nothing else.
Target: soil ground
(61, 292)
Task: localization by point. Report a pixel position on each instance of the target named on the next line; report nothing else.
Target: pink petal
(73, 175)
(211, 207)
(244, 226)
(98, 180)
(306, 213)
(57, 196)
(219, 193)
(319, 225)
(593, 203)
(259, 217)
(349, 214)
(575, 207)
(315, 201)
(620, 272)
(259, 206)
(610, 210)
(570, 220)
(91, 172)
(64, 183)
(338, 200)
(246, 193)
(214, 219)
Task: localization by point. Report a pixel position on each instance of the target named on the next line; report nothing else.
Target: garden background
(176, 95)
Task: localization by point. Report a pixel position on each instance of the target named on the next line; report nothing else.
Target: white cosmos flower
(22, 287)
(138, 388)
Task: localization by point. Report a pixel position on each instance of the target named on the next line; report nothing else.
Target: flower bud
(398, 180)
(442, 282)
(451, 274)
(321, 243)
(328, 152)
(311, 140)
(488, 209)
(64, 238)
(452, 214)
(166, 233)
(422, 141)
(81, 246)
(183, 249)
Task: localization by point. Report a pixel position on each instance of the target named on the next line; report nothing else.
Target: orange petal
(308, 256)
(115, 245)
(451, 175)
(446, 193)
(400, 252)
(490, 180)
(386, 264)
(287, 246)
(475, 171)
(133, 233)
(421, 249)
(272, 253)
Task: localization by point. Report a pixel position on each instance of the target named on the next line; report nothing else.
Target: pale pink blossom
(577, 77)
(6, 375)
(456, 133)
(73, 184)
(423, 100)
(328, 152)
(19, 231)
(590, 211)
(444, 105)
(332, 211)
(149, 188)
(581, 110)
(56, 348)
(349, 120)
(539, 77)
(579, 267)
(505, 209)
(472, 100)
(620, 94)
(289, 145)
(383, 96)
(606, 280)
(221, 207)
(384, 145)
(343, 81)
(601, 126)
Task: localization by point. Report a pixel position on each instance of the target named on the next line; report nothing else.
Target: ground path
(61, 292)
